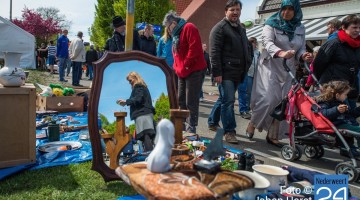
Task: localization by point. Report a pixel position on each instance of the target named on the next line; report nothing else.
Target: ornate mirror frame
(108, 58)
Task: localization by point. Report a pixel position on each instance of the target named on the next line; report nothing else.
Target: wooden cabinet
(17, 125)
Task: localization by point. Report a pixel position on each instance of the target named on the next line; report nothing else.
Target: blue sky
(115, 86)
(81, 12)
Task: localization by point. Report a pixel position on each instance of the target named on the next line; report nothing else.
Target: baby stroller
(310, 128)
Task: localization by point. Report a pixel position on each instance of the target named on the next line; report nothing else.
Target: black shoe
(191, 129)
(268, 140)
(64, 80)
(245, 115)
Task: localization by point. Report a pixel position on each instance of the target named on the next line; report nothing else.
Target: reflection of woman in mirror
(141, 110)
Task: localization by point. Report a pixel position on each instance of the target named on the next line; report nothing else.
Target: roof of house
(191, 9)
(315, 29)
(273, 5)
(181, 5)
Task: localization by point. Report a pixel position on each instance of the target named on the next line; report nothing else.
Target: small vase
(11, 75)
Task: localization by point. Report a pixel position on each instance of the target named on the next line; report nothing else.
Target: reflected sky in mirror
(115, 86)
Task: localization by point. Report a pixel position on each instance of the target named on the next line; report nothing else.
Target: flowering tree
(34, 23)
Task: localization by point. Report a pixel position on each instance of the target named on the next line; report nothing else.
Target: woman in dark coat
(339, 59)
(141, 110)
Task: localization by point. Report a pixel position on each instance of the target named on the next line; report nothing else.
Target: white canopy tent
(15, 39)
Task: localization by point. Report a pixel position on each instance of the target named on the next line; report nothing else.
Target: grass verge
(75, 181)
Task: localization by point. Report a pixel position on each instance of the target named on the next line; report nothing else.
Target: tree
(35, 24)
(149, 11)
(101, 29)
(51, 12)
(162, 108)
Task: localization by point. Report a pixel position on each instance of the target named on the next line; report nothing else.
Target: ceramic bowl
(276, 176)
(260, 185)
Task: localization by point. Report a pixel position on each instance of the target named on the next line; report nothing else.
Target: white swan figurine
(159, 159)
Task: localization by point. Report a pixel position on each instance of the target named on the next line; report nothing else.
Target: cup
(53, 131)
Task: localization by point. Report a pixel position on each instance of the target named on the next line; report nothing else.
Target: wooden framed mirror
(110, 84)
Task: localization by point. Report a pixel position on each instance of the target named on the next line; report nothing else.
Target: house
(316, 15)
(203, 13)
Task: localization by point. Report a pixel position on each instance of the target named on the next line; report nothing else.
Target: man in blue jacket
(62, 53)
(332, 28)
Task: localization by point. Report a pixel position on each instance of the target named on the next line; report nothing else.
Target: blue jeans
(68, 66)
(249, 89)
(76, 73)
(90, 69)
(224, 106)
(62, 66)
(242, 96)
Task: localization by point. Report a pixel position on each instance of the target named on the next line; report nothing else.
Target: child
(334, 108)
(310, 80)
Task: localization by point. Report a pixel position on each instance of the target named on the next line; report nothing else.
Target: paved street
(264, 152)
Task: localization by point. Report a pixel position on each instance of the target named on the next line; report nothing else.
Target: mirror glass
(109, 85)
(115, 86)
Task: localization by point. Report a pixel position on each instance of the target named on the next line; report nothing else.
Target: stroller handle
(311, 74)
(286, 67)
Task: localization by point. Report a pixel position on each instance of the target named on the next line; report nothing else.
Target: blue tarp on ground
(58, 158)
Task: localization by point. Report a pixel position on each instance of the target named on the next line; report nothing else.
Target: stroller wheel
(298, 152)
(288, 153)
(321, 151)
(310, 151)
(347, 168)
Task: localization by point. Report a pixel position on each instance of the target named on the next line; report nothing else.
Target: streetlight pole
(10, 10)
(129, 32)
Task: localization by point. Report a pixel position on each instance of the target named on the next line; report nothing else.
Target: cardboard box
(17, 125)
(60, 104)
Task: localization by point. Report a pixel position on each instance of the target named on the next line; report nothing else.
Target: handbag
(279, 111)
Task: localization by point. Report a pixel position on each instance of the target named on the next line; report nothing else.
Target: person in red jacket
(189, 64)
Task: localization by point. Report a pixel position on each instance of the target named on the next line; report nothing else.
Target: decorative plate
(59, 146)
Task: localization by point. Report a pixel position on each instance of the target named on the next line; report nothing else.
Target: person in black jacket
(230, 60)
(147, 41)
(141, 110)
(333, 107)
(207, 59)
(91, 56)
(339, 58)
(117, 42)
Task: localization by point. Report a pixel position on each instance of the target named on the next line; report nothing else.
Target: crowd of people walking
(235, 63)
